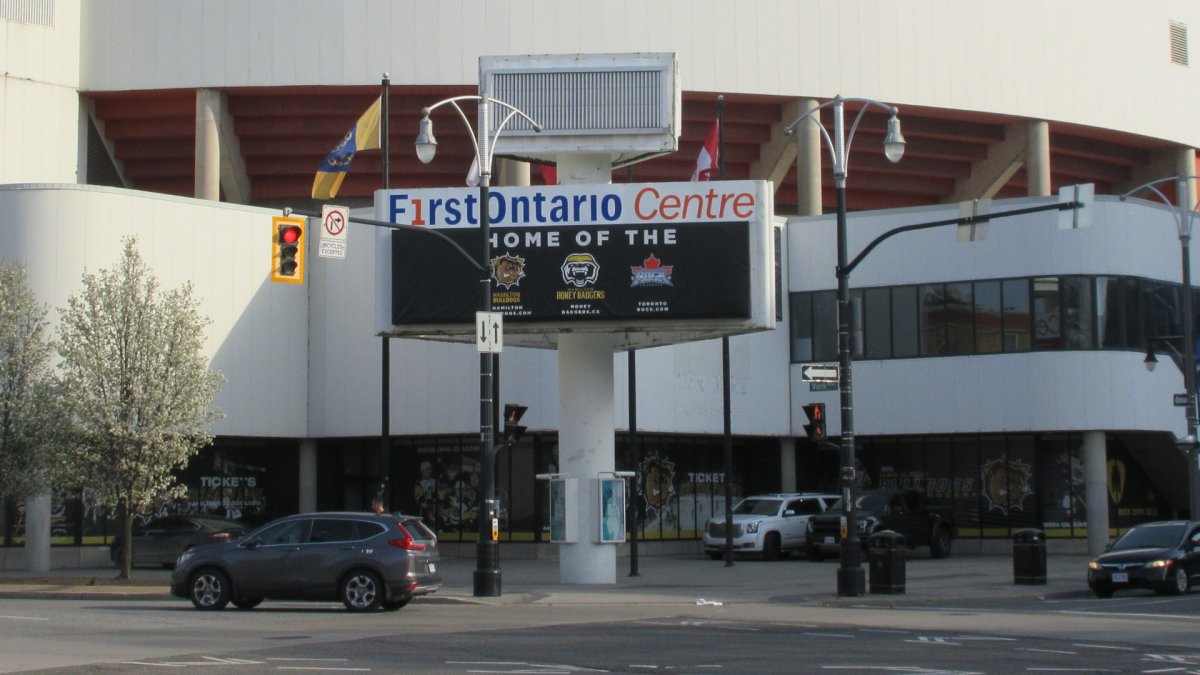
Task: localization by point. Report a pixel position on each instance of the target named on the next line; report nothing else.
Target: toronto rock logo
(651, 273)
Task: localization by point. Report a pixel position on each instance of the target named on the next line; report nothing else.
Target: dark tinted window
(1016, 315)
(334, 530)
(291, 532)
(806, 507)
(877, 319)
(988, 337)
(905, 329)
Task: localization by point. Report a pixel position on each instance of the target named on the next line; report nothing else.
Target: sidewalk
(686, 579)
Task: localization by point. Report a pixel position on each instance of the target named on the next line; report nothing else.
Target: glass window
(960, 322)
(1161, 303)
(1015, 297)
(905, 322)
(291, 532)
(824, 321)
(334, 530)
(1118, 323)
(1047, 316)
(987, 318)
(933, 319)
(878, 319)
(802, 327)
(1078, 312)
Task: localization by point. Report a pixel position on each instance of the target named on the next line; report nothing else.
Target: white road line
(832, 635)
(24, 618)
(1047, 651)
(1141, 615)
(1117, 649)
(325, 669)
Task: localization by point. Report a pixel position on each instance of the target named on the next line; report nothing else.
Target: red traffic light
(290, 234)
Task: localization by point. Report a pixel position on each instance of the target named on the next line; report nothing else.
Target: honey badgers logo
(580, 269)
(508, 270)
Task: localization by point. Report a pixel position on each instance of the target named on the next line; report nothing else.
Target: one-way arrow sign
(489, 332)
(819, 372)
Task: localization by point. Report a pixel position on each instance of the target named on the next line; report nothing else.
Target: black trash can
(886, 552)
(1029, 556)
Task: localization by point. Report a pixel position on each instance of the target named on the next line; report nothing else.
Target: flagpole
(385, 403)
(725, 414)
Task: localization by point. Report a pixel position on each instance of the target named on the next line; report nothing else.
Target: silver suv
(772, 525)
(368, 561)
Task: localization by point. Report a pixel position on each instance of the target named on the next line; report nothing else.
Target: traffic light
(287, 249)
(815, 429)
(512, 430)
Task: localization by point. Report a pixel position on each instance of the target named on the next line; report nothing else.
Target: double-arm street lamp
(487, 567)
(851, 580)
(1185, 216)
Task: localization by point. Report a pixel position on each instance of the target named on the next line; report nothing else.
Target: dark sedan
(1162, 556)
(161, 540)
(368, 561)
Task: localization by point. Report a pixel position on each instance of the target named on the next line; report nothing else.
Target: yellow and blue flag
(362, 136)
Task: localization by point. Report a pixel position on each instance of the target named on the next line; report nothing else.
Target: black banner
(568, 274)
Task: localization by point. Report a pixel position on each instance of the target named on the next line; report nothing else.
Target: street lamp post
(851, 580)
(1185, 215)
(487, 564)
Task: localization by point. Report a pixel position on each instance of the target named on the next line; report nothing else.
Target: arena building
(1002, 371)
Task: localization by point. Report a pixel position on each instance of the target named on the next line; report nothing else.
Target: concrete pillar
(307, 487)
(208, 144)
(37, 533)
(808, 163)
(1185, 165)
(511, 172)
(1095, 490)
(584, 169)
(787, 465)
(1037, 159)
(586, 448)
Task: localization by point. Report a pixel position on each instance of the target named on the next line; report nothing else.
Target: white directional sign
(489, 332)
(819, 372)
(333, 231)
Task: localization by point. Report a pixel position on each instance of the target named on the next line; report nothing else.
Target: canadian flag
(706, 162)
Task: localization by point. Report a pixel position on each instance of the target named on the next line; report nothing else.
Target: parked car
(906, 512)
(772, 525)
(368, 561)
(1163, 556)
(160, 540)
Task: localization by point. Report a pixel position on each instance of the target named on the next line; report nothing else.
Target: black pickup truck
(905, 511)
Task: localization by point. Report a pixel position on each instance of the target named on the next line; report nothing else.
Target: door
(265, 565)
(795, 521)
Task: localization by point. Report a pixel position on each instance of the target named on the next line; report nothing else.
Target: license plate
(830, 540)
(1120, 577)
(432, 567)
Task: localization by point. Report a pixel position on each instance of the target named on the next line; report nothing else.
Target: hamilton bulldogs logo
(1006, 484)
(651, 273)
(580, 269)
(508, 270)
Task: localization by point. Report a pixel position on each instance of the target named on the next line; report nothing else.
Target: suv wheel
(361, 591)
(771, 546)
(209, 589)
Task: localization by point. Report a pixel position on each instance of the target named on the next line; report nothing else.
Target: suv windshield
(758, 507)
(1150, 536)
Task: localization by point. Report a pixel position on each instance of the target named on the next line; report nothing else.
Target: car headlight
(752, 527)
(1159, 563)
(1093, 565)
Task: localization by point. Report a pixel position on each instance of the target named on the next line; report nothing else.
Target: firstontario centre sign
(625, 257)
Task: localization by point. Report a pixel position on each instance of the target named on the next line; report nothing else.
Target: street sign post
(489, 332)
(819, 372)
